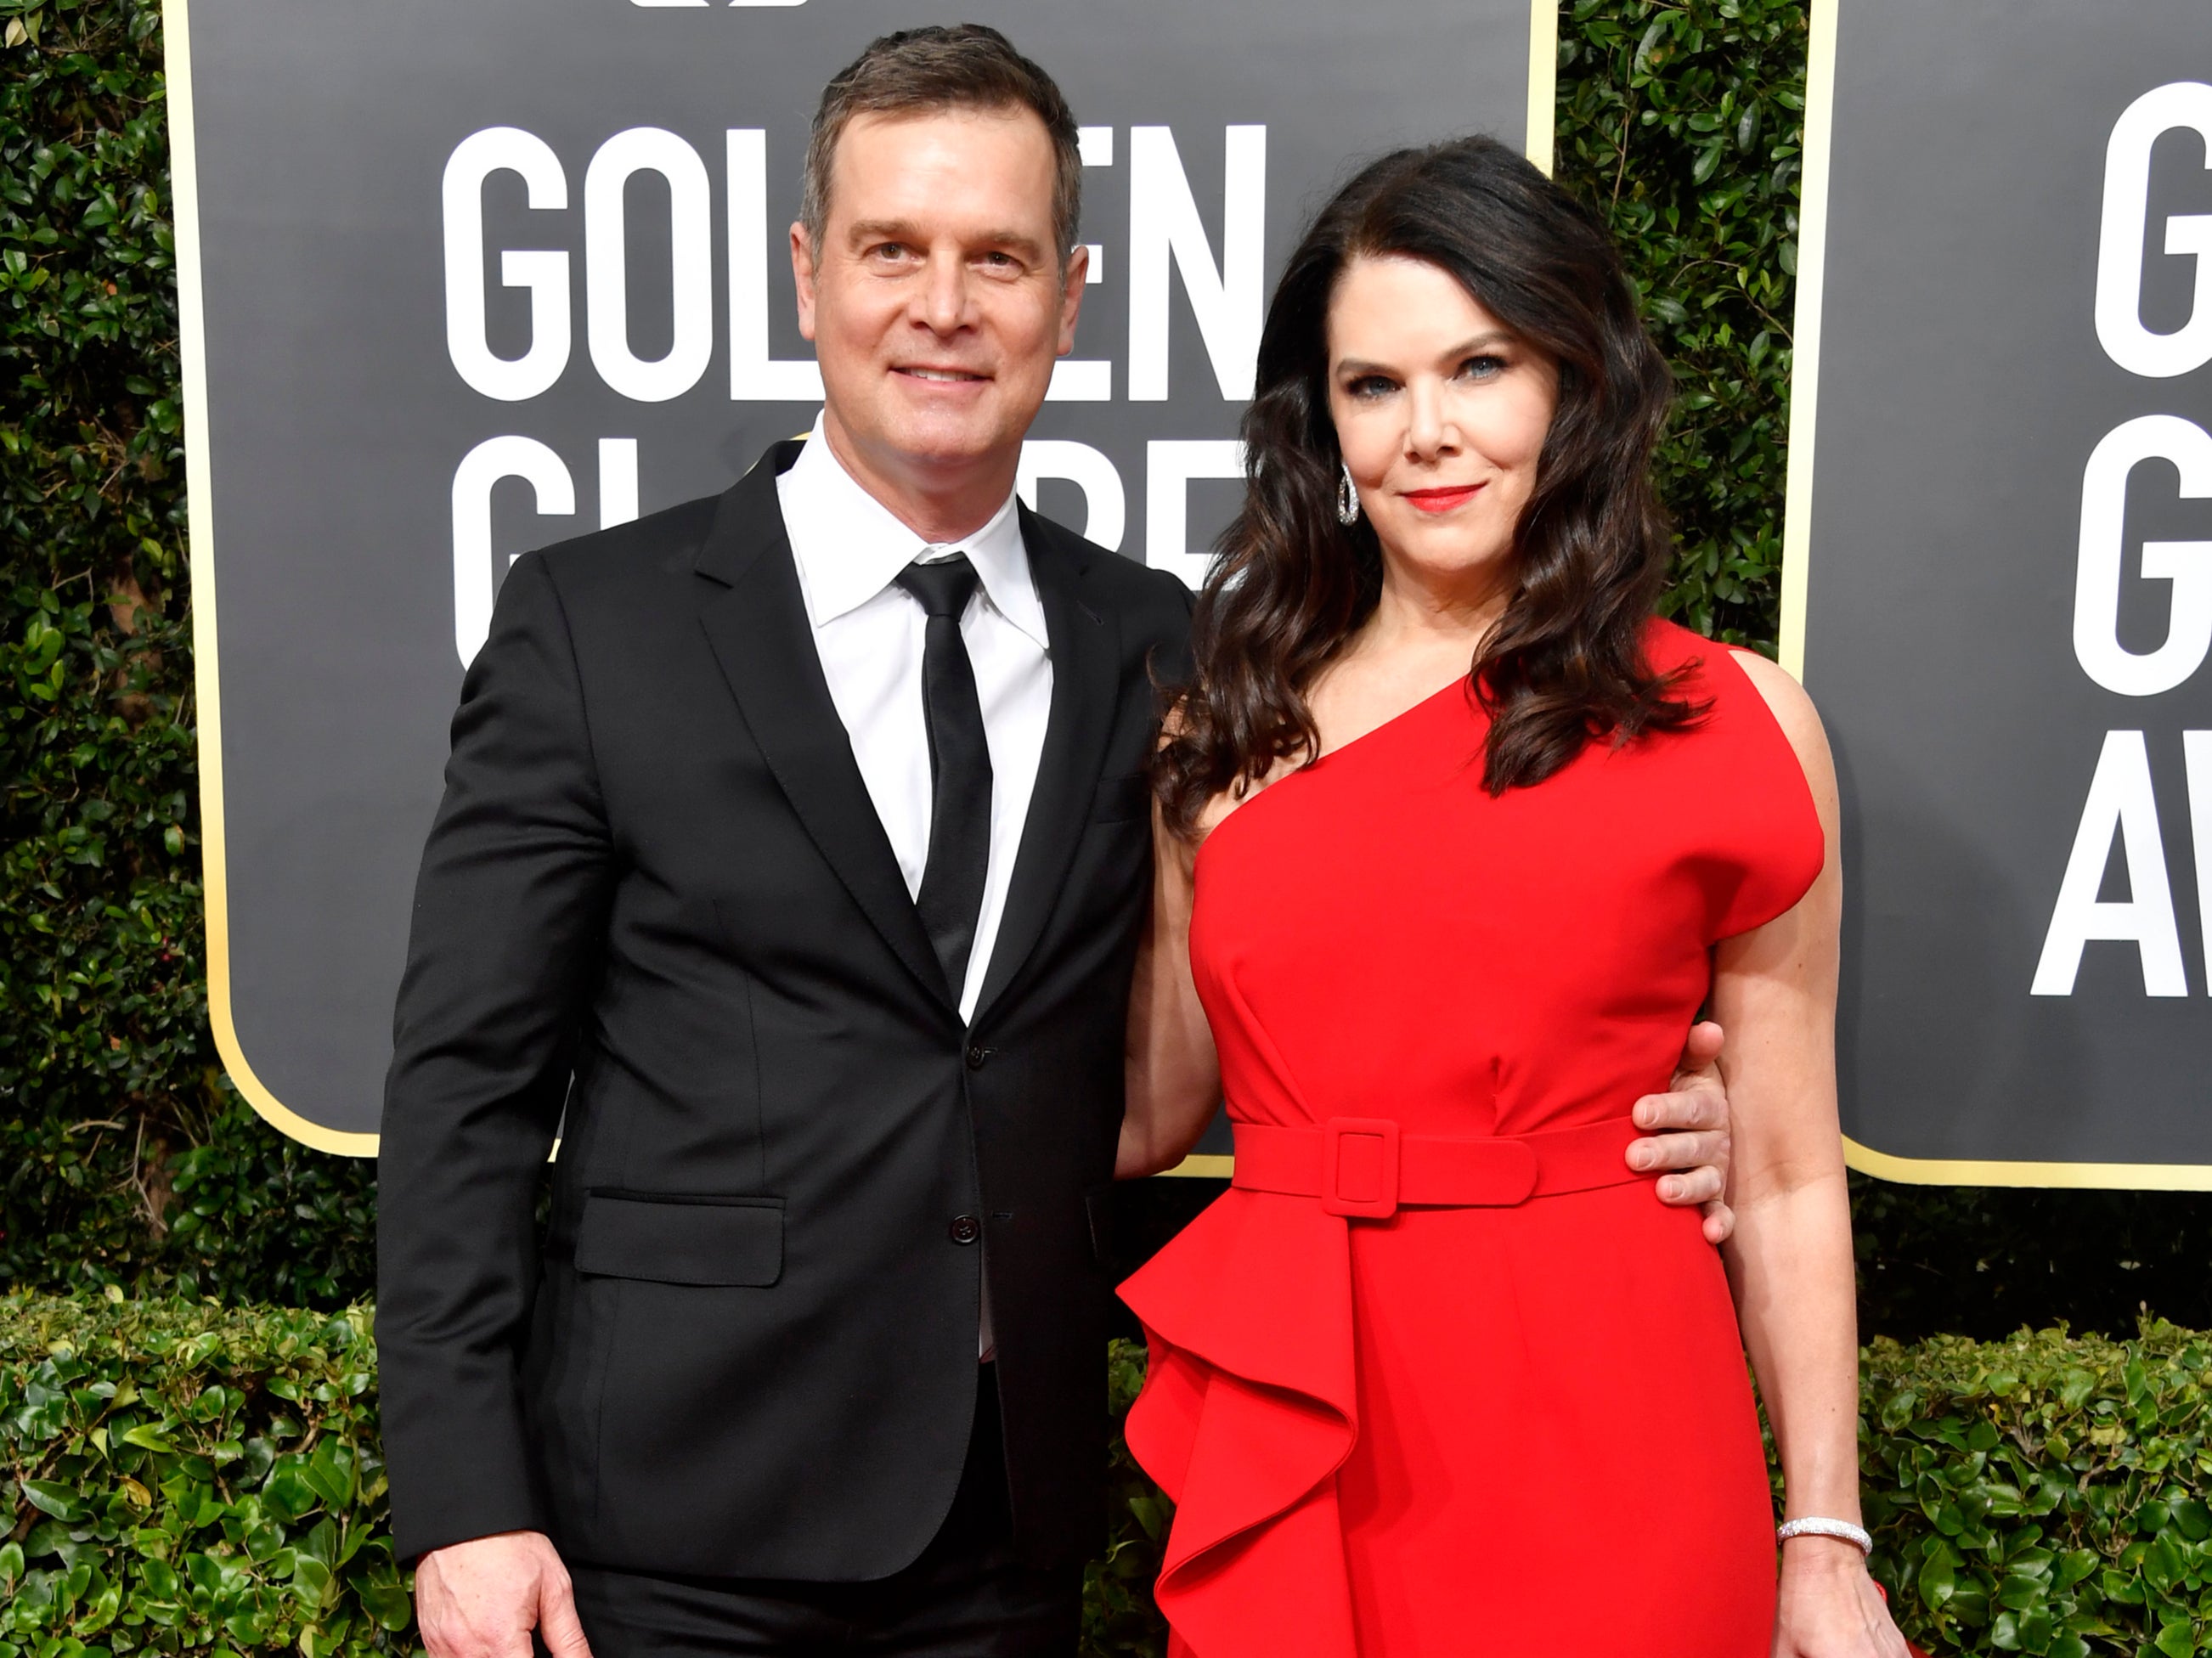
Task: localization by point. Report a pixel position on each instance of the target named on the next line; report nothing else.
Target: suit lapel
(1086, 647)
(761, 637)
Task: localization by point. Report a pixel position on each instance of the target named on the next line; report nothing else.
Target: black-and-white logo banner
(462, 280)
(2001, 577)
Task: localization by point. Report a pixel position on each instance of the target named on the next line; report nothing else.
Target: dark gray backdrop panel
(335, 420)
(1962, 388)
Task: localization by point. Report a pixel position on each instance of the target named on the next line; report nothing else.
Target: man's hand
(1693, 1120)
(482, 1598)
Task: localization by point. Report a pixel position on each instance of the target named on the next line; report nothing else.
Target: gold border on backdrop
(1543, 81)
(1796, 567)
(1543, 120)
(1805, 358)
(191, 348)
(176, 30)
(1207, 1166)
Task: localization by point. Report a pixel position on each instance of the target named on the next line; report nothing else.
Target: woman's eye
(1370, 386)
(1483, 368)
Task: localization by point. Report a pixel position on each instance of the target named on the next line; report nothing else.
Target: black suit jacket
(742, 1343)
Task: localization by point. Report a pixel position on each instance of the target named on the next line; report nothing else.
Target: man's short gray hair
(959, 66)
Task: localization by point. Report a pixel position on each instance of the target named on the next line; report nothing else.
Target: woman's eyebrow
(1481, 342)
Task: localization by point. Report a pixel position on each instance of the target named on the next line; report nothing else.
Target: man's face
(936, 301)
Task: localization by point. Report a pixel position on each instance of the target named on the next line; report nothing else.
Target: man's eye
(887, 251)
(1001, 261)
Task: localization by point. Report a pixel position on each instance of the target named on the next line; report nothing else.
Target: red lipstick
(1444, 499)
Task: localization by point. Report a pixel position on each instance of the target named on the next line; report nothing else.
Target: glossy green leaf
(389, 1604)
(149, 1437)
(288, 1494)
(52, 1496)
(1937, 1581)
(329, 1474)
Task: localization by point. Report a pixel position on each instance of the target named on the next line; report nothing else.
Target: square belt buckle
(1366, 1150)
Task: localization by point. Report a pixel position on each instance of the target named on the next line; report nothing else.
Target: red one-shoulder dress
(1437, 1376)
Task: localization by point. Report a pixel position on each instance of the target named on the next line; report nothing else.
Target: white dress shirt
(868, 630)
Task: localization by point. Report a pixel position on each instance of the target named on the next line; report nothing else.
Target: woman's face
(1441, 412)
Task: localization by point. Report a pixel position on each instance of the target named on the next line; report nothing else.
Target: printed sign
(458, 281)
(2000, 578)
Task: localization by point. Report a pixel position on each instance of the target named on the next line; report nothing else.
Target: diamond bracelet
(1818, 1528)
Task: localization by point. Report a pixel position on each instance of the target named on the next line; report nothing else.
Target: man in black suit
(795, 845)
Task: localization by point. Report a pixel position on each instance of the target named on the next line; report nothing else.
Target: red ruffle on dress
(1480, 1427)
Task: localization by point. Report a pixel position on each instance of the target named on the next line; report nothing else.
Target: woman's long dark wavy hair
(1564, 666)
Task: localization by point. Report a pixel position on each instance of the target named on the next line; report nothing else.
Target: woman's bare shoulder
(1794, 712)
(1792, 708)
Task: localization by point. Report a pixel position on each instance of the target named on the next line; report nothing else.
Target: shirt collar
(849, 546)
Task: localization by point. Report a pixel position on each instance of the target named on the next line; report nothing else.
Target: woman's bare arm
(1174, 1078)
(1790, 1262)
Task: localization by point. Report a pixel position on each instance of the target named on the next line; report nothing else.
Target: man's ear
(802, 278)
(1073, 281)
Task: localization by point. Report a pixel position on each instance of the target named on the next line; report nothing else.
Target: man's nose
(942, 304)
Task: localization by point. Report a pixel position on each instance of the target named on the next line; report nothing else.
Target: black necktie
(951, 895)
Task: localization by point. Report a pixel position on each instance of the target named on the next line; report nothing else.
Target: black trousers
(968, 1596)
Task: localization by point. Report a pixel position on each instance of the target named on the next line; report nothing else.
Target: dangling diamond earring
(1347, 501)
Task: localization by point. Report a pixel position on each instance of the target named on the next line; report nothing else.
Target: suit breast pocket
(1122, 797)
(668, 1238)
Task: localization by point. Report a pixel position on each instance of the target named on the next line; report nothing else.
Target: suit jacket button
(977, 1055)
(965, 1229)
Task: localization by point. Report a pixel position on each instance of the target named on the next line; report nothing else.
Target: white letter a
(2120, 804)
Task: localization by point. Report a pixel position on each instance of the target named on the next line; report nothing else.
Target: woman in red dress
(1455, 839)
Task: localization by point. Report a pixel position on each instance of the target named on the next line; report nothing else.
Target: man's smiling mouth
(954, 375)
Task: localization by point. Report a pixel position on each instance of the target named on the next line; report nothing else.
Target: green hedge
(1683, 122)
(124, 1156)
(183, 1478)
(2045, 1494)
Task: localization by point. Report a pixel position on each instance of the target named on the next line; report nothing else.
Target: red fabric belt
(1363, 1168)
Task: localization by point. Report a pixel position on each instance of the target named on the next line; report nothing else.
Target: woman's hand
(1829, 1607)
